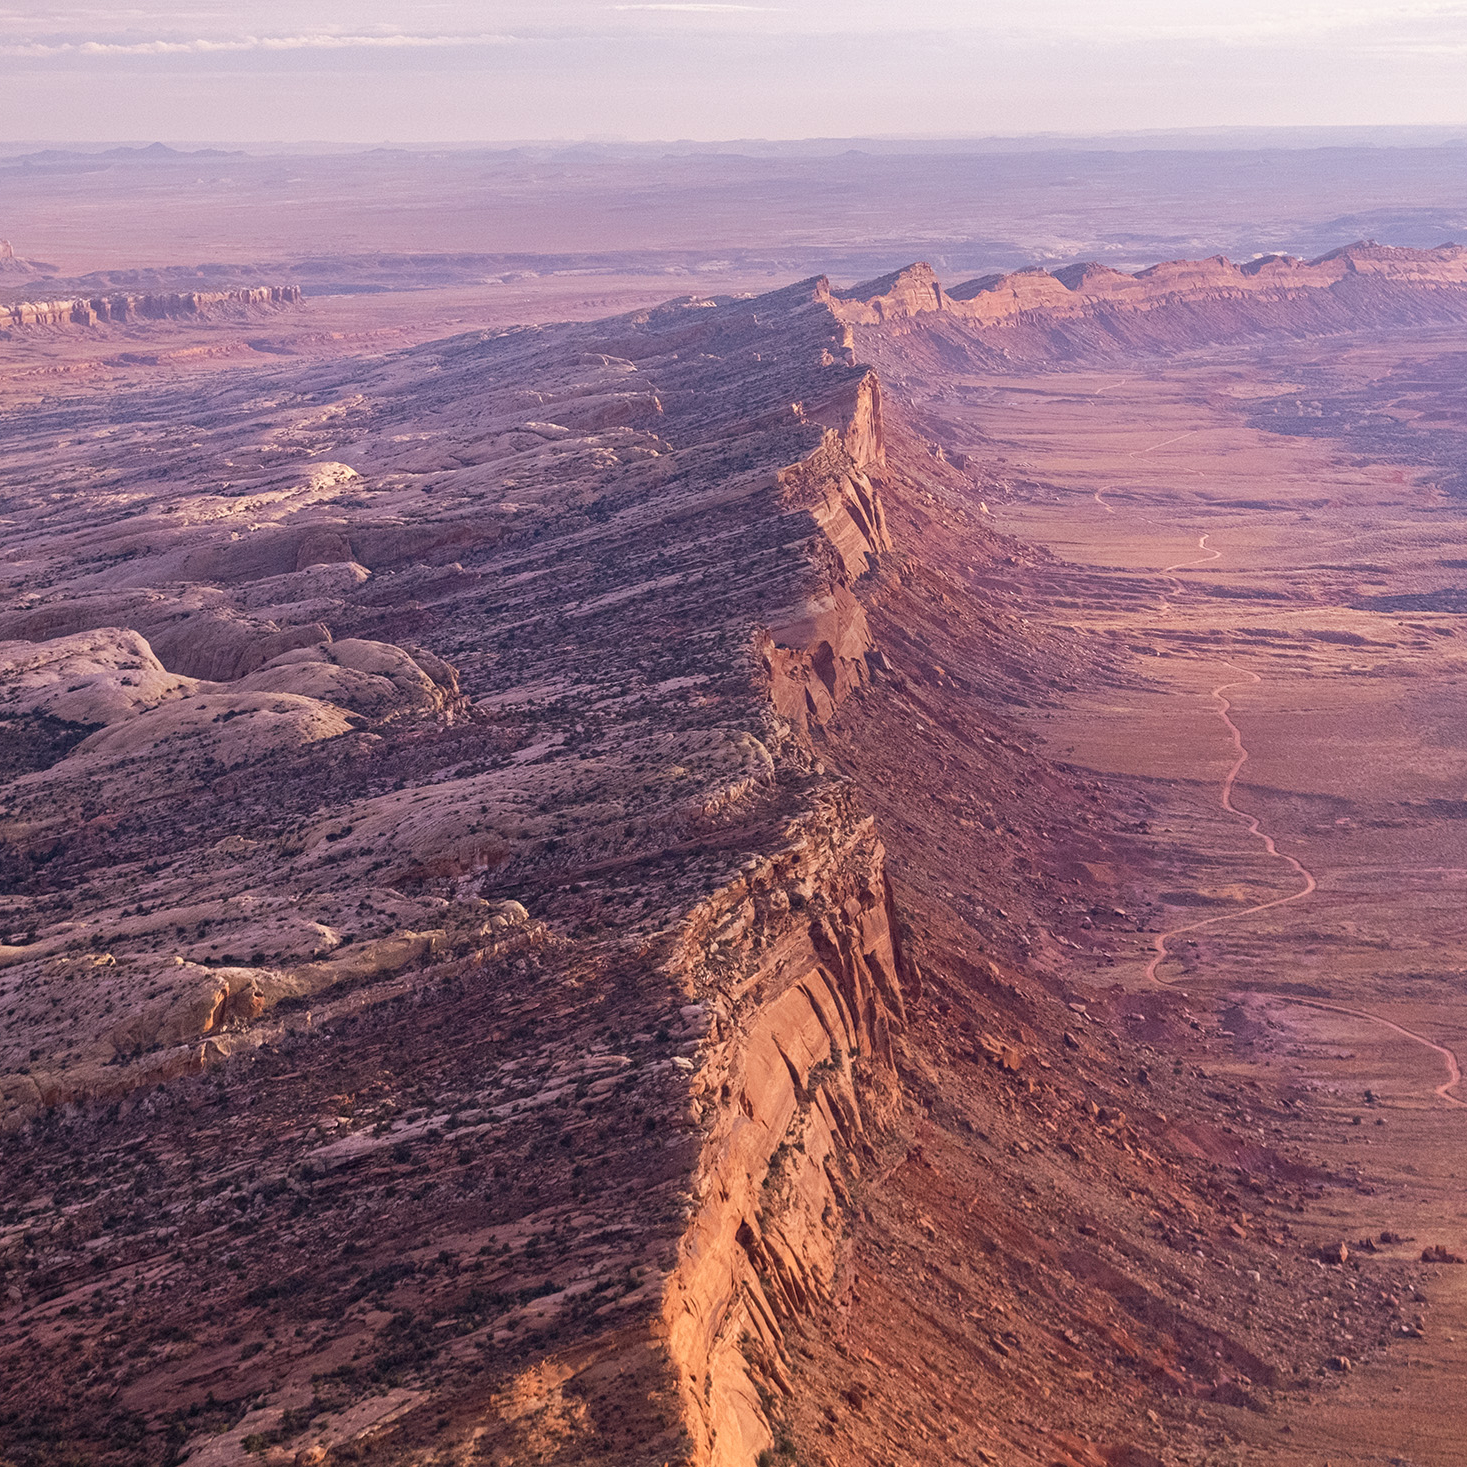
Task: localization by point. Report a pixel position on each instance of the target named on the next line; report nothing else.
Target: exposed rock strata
(534, 616)
(1093, 310)
(121, 308)
(801, 969)
(439, 943)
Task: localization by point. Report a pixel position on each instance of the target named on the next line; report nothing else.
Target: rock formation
(121, 308)
(458, 1002)
(554, 634)
(10, 265)
(1091, 310)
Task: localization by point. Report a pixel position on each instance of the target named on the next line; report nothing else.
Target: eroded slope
(406, 798)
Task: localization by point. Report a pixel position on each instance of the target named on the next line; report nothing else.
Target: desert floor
(1297, 727)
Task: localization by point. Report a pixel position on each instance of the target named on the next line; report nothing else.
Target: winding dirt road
(1454, 1070)
(1178, 589)
(1310, 884)
(1255, 828)
(1201, 560)
(1224, 712)
(1165, 443)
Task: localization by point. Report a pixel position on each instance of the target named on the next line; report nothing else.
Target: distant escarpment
(1091, 311)
(124, 308)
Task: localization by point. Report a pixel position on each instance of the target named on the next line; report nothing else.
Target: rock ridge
(797, 966)
(1088, 310)
(993, 299)
(482, 970)
(123, 308)
(474, 683)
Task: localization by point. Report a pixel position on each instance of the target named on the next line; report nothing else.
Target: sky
(500, 70)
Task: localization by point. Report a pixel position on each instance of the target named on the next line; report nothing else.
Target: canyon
(819, 876)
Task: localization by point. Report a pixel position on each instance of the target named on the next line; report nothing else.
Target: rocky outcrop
(815, 651)
(994, 299)
(88, 678)
(436, 940)
(12, 266)
(794, 970)
(123, 309)
(503, 620)
(912, 291)
(817, 655)
(262, 688)
(1091, 308)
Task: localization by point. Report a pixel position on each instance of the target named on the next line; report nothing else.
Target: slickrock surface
(532, 931)
(425, 919)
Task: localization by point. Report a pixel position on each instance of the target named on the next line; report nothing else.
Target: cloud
(1409, 27)
(1246, 24)
(204, 46)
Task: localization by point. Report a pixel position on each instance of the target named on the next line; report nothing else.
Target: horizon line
(1196, 131)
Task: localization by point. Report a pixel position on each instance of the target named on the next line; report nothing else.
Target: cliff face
(799, 971)
(123, 308)
(502, 853)
(1093, 309)
(450, 718)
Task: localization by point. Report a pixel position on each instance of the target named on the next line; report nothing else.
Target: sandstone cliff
(527, 934)
(479, 683)
(798, 969)
(1089, 309)
(122, 308)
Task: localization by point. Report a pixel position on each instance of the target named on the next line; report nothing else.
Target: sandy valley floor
(1297, 727)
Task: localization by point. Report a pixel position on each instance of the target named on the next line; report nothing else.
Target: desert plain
(1284, 569)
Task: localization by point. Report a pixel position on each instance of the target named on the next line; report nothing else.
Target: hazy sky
(503, 69)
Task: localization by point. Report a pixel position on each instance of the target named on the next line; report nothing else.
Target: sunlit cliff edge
(206, 630)
(994, 300)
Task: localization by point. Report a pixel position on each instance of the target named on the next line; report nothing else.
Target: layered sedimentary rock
(1091, 309)
(798, 1067)
(461, 695)
(459, 1003)
(123, 308)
